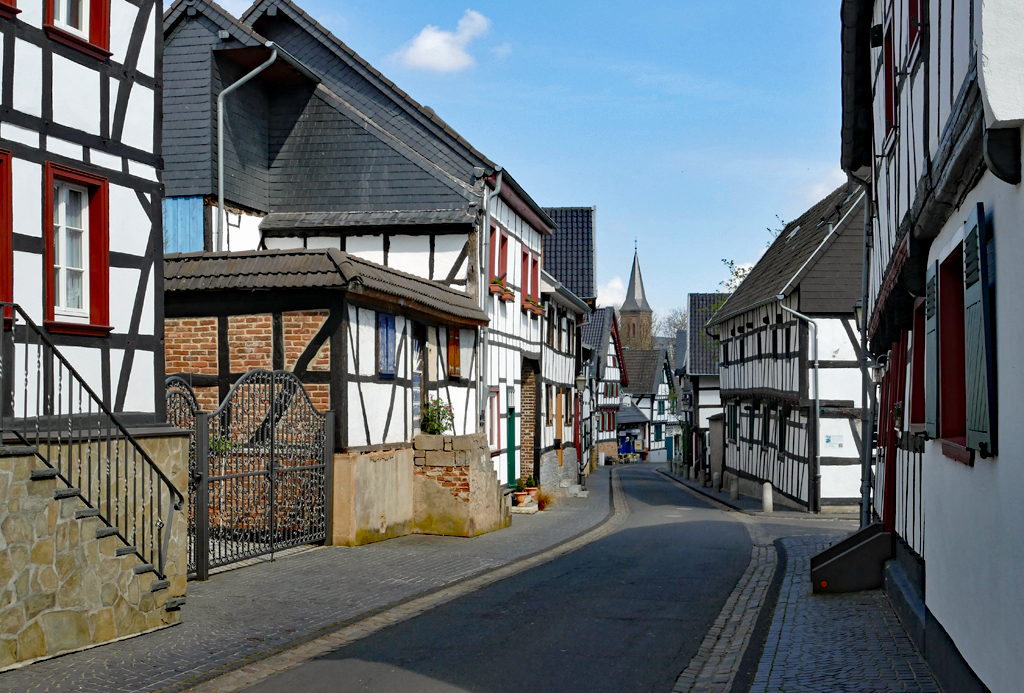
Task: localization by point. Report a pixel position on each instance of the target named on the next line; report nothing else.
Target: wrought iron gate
(182, 409)
(261, 470)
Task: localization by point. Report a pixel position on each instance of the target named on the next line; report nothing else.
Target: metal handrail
(69, 428)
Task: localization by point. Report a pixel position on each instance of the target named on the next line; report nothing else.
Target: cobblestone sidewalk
(841, 642)
(245, 612)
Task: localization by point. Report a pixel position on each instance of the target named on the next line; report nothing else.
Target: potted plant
(520, 492)
(531, 487)
(497, 285)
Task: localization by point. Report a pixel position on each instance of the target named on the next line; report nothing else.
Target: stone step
(124, 550)
(174, 604)
(45, 473)
(106, 532)
(17, 450)
(61, 493)
(159, 585)
(87, 512)
(144, 568)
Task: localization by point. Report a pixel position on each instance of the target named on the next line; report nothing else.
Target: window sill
(956, 449)
(7, 11)
(74, 328)
(77, 42)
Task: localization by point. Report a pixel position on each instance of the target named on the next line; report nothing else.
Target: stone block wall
(553, 476)
(372, 498)
(611, 451)
(61, 587)
(457, 492)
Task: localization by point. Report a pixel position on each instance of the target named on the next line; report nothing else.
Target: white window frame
(60, 7)
(60, 308)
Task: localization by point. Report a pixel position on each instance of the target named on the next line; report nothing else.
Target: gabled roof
(645, 367)
(630, 415)
(277, 270)
(797, 255)
(702, 349)
(636, 297)
(569, 253)
(561, 295)
(600, 331)
(681, 345)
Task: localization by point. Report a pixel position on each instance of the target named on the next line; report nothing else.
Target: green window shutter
(979, 338)
(931, 352)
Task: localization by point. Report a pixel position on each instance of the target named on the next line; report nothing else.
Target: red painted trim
(952, 357)
(623, 376)
(8, 9)
(99, 249)
(6, 231)
(520, 207)
(76, 328)
(956, 449)
(491, 250)
(98, 42)
(503, 255)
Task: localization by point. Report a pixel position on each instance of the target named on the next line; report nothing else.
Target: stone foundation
(553, 476)
(63, 589)
(456, 489)
(372, 497)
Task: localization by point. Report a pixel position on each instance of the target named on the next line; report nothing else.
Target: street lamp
(581, 383)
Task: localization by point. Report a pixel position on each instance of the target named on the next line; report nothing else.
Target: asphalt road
(624, 613)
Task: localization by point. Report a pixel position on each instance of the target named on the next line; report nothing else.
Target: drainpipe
(867, 385)
(816, 470)
(218, 241)
(485, 289)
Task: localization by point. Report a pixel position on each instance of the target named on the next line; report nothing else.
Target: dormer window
(72, 16)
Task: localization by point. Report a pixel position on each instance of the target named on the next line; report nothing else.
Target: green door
(511, 438)
(668, 447)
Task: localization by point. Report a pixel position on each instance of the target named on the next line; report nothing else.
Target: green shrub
(437, 417)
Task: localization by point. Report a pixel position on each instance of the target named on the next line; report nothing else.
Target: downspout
(218, 241)
(815, 492)
(868, 387)
(485, 291)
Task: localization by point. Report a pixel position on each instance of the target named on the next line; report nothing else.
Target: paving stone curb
(714, 667)
(249, 675)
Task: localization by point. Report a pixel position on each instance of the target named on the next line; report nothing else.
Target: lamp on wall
(858, 311)
(581, 383)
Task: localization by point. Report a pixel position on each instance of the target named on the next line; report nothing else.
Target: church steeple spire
(636, 298)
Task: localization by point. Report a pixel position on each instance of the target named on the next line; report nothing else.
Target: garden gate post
(201, 550)
(329, 480)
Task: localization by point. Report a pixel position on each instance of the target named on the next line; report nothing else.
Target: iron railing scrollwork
(49, 409)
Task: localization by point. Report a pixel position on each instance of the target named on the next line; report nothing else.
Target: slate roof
(702, 350)
(292, 221)
(636, 297)
(598, 331)
(570, 253)
(645, 367)
(826, 266)
(680, 350)
(630, 415)
(264, 270)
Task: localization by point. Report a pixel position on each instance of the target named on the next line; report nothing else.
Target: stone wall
(553, 476)
(372, 496)
(62, 588)
(457, 492)
(611, 451)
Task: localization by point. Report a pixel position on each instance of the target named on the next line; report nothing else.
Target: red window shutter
(915, 410)
(525, 280)
(454, 354)
(99, 251)
(952, 385)
(535, 278)
(492, 250)
(99, 23)
(914, 17)
(979, 354)
(503, 257)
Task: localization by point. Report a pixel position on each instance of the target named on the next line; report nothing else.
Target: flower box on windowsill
(507, 296)
(496, 288)
(534, 308)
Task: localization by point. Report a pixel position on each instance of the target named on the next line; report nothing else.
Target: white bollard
(716, 481)
(767, 502)
(734, 488)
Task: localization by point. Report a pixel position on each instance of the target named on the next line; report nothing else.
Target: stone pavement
(840, 642)
(263, 609)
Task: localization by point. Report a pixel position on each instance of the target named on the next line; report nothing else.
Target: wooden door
(558, 426)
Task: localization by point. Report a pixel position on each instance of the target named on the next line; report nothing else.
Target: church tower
(636, 313)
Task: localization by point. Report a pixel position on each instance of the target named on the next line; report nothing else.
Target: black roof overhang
(856, 82)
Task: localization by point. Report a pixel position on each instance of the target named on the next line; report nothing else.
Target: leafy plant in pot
(437, 417)
(531, 487)
(520, 493)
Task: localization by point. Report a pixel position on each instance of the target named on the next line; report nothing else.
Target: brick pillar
(528, 422)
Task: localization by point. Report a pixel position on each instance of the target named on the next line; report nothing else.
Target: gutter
(814, 493)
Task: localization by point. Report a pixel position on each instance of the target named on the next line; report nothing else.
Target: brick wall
(250, 342)
(299, 328)
(528, 422)
(190, 346)
(454, 479)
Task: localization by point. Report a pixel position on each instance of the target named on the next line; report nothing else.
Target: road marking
(262, 669)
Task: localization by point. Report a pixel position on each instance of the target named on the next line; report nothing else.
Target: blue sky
(690, 124)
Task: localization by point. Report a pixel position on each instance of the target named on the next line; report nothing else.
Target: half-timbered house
(323, 151)
(602, 332)
(559, 452)
(932, 110)
(789, 374)
(81, 361)
(651, 390)
(700, 373)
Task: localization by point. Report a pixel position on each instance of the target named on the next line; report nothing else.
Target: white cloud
(815, 191)
(611, 294)
(502, 51)
(444, 51)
